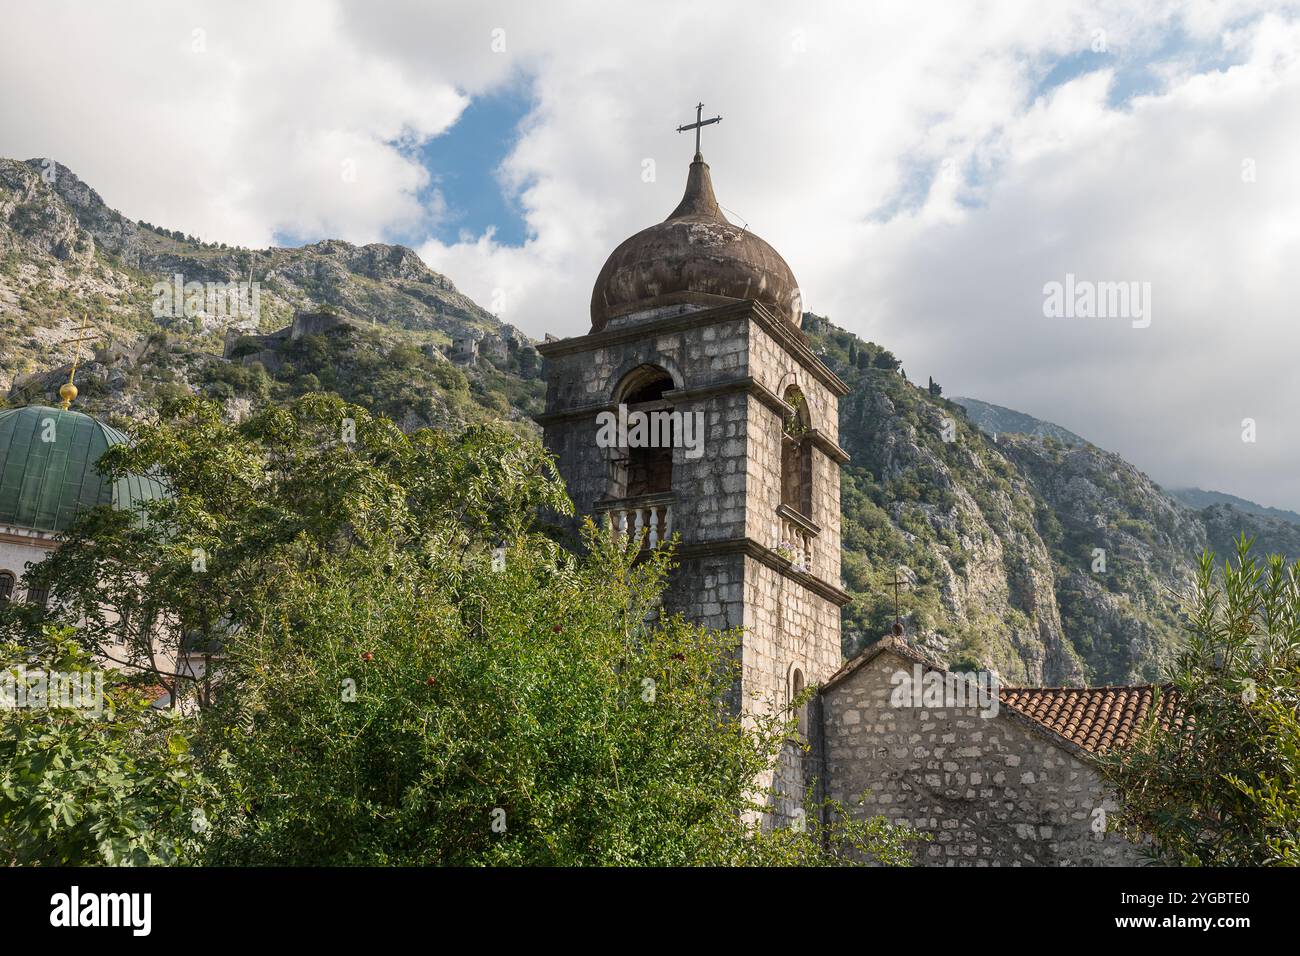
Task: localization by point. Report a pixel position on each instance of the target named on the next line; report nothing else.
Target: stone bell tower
(694, 315)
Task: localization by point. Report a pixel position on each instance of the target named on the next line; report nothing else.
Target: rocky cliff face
(996, 420)
(67, 258)
(110, 230)
(1223, 523)
(927, 497)
(63, 215)
(1125, 553)
(36, 218)
(1051, 561)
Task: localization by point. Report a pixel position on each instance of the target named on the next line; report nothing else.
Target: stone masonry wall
(775, 369)
(709, 591)
(696, 357)
(786, 627)
(989, 791)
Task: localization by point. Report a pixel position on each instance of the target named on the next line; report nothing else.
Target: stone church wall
(709, 591)
(18, 549)
(787, 627)
(710, 489)
(775, 369)
(989, 791)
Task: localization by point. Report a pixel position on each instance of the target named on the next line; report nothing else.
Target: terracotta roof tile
(1094, 719)
(1098, 719)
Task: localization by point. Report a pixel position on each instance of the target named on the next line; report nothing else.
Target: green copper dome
(47, 469)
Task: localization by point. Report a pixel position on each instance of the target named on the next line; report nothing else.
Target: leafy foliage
(1220, 787)
(403, 709)
(77, 787)
(319, 472)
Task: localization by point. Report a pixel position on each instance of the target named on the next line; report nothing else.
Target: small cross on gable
(896, 584)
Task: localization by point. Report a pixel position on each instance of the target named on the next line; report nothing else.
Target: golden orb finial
(68, 391)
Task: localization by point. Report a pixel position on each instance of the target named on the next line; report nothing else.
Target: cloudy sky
(926, 169)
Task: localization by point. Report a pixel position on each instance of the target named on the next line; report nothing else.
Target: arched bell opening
(644, 465)
(796, 454)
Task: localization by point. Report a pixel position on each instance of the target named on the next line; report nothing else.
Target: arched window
(796, 454)
(7, 580)
(645, 465)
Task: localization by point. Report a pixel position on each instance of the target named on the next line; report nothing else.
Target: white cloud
(834, 120)
(233, 121)
(1151, 193)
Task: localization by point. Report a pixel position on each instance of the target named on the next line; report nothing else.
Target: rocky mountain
(996, 420)
(1224, 516)
(1033, 553)
(1200, 498)
(1224, 522)
(54, 212)
(166, 308)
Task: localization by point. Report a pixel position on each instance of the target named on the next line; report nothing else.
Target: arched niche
(796, 453)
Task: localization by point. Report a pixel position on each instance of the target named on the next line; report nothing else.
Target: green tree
(395, 708)
(1217, 784)
(77, 787)
(319, 473)
(886, 360)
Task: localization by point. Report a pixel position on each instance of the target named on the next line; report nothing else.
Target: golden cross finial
(68, 391)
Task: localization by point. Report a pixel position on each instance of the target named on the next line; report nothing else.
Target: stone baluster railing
(654, 520)
(796, 544)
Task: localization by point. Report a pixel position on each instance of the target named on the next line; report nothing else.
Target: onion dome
(48, 473)
(695, 257)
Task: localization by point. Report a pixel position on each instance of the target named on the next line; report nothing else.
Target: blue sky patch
(1135, 71)
(463, 163)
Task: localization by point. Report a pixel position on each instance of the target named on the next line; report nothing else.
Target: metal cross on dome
(698, 125)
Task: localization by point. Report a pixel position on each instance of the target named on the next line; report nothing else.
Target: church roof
(1091, 720)
(694, 257)
(48, 473)
(1098, 719)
